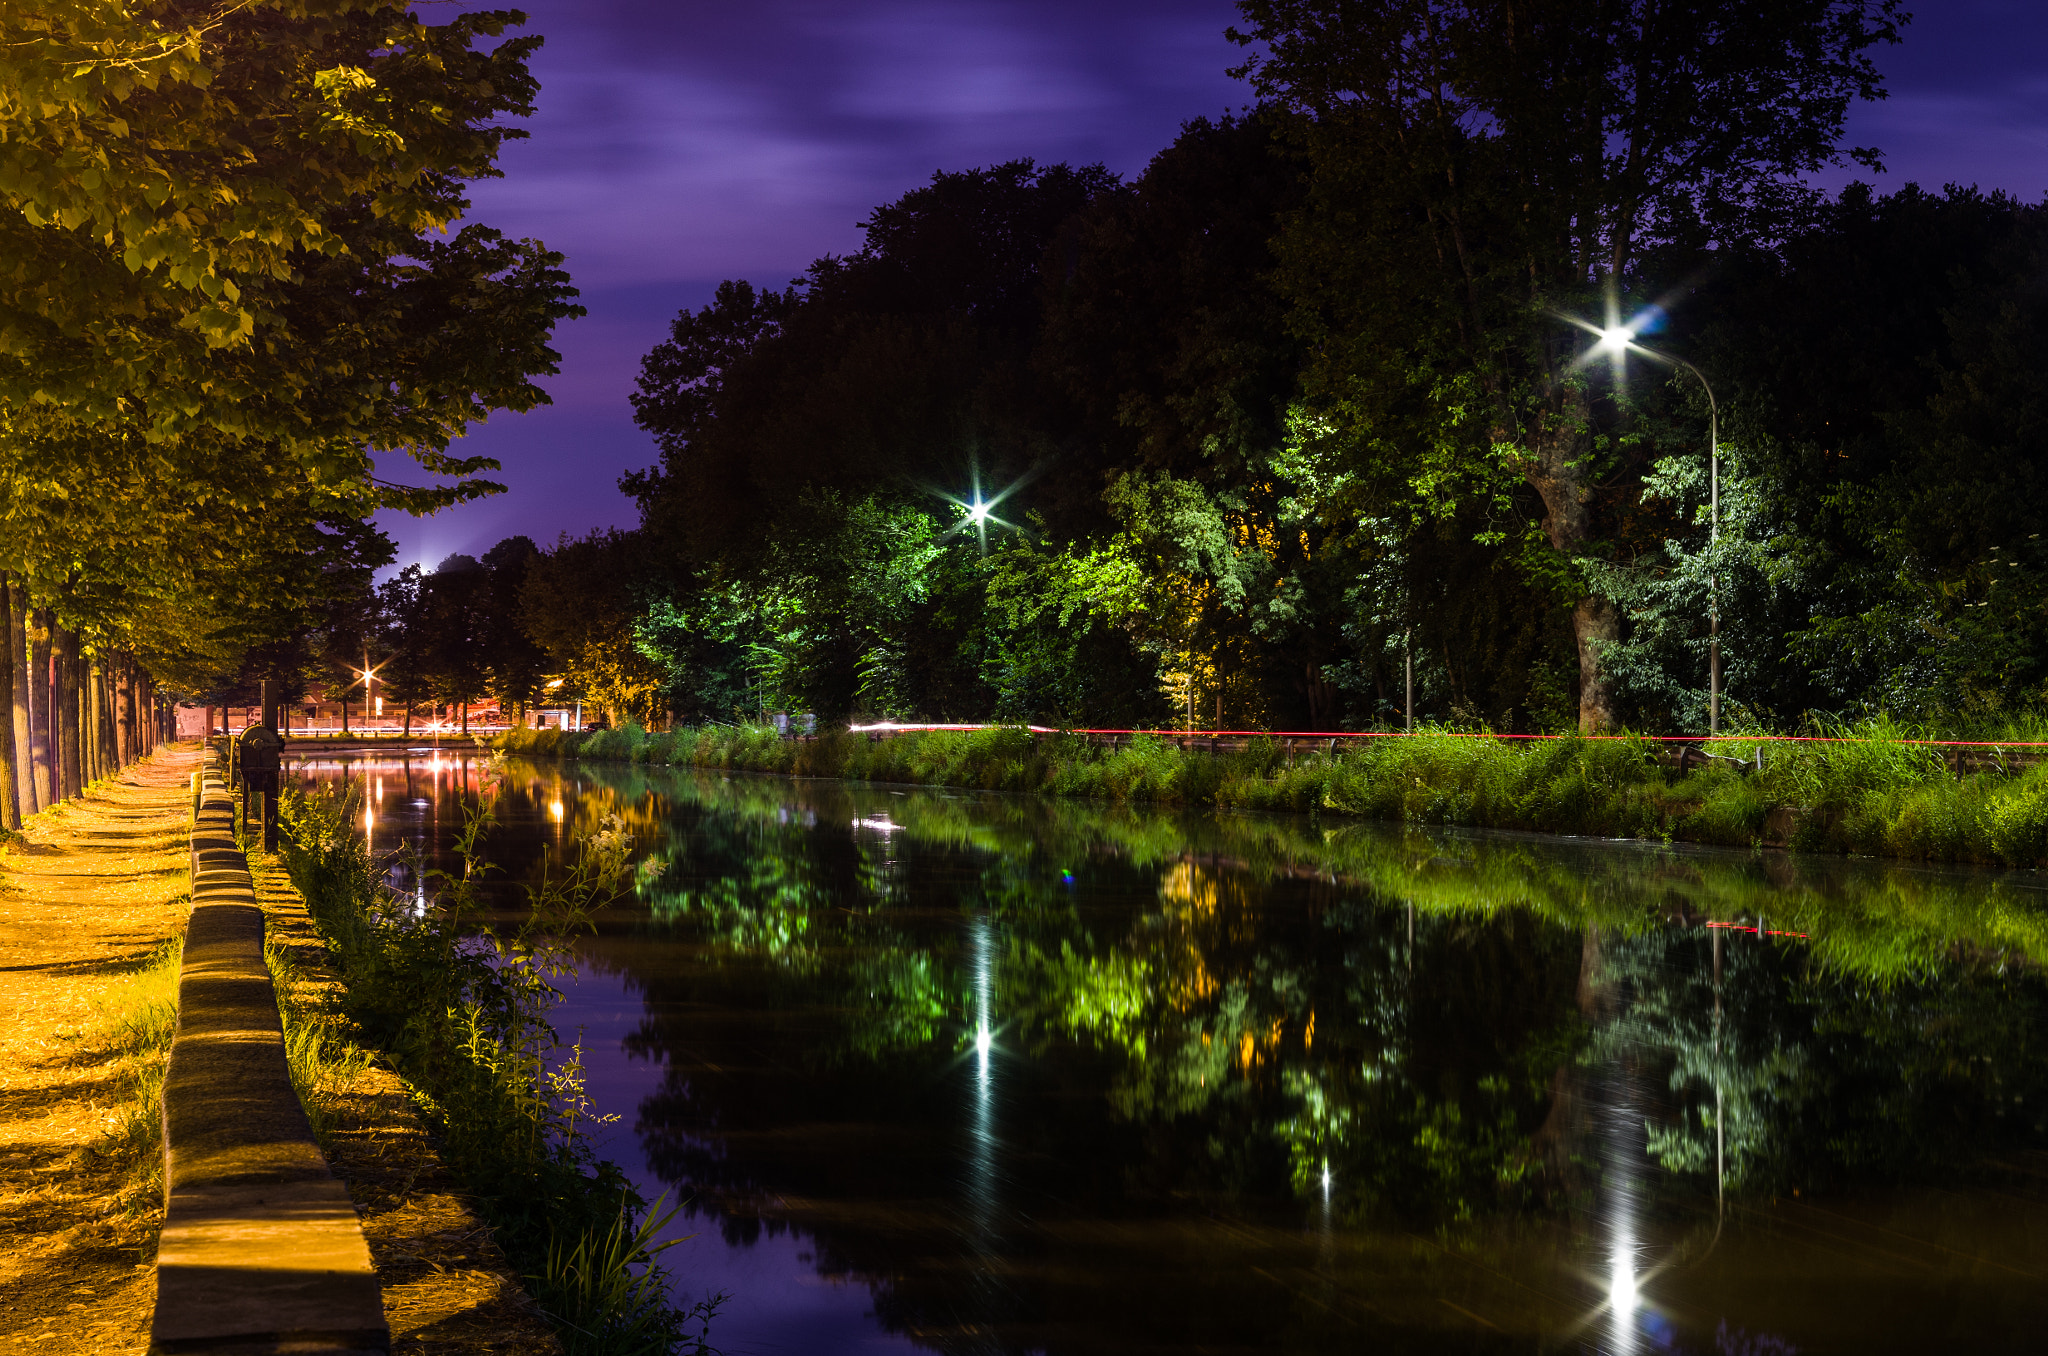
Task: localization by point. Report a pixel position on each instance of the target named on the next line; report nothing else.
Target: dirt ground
(99, 885)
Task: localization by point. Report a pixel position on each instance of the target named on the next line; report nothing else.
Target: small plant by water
(460, 1009)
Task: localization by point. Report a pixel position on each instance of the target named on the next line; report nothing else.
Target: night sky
(680, 142)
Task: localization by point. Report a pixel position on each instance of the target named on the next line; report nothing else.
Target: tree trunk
(89, 717)
(10, 787)
(1562, 474)
(41, 748)
(16, 658)
(69, 691)
(124, 711)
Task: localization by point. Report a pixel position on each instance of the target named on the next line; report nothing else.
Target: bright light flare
(1621, 1287)
(1615, 339)
(555, 809)
(983, 1041)
(978, 513)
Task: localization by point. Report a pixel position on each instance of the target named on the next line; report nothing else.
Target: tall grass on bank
(133, 1023)
(1870, 792)
(460, 1009)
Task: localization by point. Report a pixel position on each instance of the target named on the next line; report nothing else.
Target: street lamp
(368, 695)
(1618, 341)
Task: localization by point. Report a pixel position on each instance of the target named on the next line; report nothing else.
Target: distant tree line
(1314, 397)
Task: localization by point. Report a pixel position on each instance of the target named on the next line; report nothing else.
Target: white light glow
(982, 1042)
(555, 809)
(1621, 1288)
(977, 512)
(1615, 339)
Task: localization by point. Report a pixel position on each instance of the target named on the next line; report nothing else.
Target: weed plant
(1868, 791)
(460, 1009)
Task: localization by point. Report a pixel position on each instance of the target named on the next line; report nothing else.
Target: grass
(325, 1064)
(1872, 793)
(133, 1023)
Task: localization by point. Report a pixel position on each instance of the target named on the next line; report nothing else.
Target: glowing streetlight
(977, 513)
(1617, 342)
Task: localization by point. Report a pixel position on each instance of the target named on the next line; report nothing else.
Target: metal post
(1713, 560)
(1408, 649)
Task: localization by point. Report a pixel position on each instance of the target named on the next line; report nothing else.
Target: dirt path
(100, 884)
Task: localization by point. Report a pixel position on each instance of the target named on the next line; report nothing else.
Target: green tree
(513, 662)
(1481, 169)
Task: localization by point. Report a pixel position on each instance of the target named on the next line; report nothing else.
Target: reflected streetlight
(1617, 342)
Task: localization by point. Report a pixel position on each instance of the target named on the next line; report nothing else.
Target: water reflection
(1040, 1076)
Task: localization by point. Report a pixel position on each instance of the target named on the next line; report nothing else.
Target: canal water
(964, 1072)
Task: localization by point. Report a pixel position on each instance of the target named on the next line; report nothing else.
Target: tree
(453, 603)
(581, 602)
(1481, 169)
(513, 663)
(902, 366)
(407, 670)
(229, 288)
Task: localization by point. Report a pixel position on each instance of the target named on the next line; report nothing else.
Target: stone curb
(261, 1251)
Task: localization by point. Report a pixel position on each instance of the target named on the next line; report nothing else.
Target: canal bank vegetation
(1867, 791)
(459, 1008)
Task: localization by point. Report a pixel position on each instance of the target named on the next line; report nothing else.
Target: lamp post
(1619, 340)
(368, 675)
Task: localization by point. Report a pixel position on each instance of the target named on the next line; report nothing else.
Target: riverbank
(1872, 793)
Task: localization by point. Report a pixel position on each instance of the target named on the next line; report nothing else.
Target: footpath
(100, 886)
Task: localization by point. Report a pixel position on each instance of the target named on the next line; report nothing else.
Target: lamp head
(977, 512)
